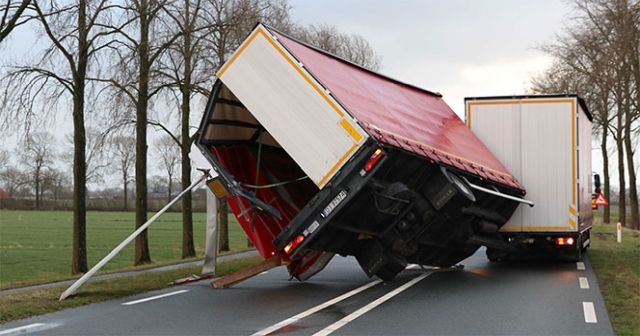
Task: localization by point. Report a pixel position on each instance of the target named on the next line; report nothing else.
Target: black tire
(459, 184)
(494, 255)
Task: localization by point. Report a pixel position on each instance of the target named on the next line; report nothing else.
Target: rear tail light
(373, 160)
(565, 241)
(293, 244)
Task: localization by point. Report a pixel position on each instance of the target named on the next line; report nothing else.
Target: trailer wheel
(495, 256)
(462, 186)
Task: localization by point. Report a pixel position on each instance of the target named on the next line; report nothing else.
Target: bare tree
(351, 47)
(144, 38)
(54, 182)
(169, 154)
(10, 13)
(96, 161)
(124, 151)
(597, 57)
(38, 156)
(13, 179)
(76, 34)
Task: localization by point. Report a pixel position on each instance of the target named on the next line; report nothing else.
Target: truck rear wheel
(496, 255)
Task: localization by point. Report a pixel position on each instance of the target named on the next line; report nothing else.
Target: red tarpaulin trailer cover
(401, 115)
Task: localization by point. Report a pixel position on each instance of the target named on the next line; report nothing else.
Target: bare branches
(11, 12)
(598, 57)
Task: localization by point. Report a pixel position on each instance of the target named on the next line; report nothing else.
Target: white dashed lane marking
(155, 297)
(29, 328)
(580, 266)
(589, 312)
(584, 283)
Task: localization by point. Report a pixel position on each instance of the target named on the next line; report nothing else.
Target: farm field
(35, 246)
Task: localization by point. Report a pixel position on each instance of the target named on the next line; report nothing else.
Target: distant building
(4, 195)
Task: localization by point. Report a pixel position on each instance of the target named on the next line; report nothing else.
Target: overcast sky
(460, 48)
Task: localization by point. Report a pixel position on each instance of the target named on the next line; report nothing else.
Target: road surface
(482, 299)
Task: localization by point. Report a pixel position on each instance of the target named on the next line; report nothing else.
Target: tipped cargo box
(318, 156)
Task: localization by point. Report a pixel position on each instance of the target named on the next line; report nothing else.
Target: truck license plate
(334, 203)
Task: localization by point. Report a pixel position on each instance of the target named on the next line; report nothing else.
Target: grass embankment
(35, 246)
(617, 267)
(41, 301)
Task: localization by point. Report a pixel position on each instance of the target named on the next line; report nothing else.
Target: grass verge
(41, 301)
(617, 267)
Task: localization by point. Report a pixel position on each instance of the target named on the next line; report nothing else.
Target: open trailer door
(296, 110)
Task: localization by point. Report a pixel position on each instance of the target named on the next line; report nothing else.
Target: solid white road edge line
(28, 329)
(580, 266)
(584, 283)
(341, 323)
(315, 309)
(589, 312)
(155, 297)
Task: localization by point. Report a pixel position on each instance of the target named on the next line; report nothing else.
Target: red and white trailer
(318, 156)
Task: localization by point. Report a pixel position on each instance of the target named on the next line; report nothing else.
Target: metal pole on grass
(72, 289)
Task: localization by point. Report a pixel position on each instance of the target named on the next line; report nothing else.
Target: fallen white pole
(72, 289)
(619, 231)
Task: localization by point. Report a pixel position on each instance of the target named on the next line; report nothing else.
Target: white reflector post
(72, 289)
(211, 241)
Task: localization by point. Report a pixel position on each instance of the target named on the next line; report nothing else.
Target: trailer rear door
(536, 139)
(291, 104)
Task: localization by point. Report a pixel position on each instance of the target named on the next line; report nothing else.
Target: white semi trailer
(545, 142)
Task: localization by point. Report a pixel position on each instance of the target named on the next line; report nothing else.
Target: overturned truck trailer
(318, 156)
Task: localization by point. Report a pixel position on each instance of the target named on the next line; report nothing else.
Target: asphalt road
(482, 299)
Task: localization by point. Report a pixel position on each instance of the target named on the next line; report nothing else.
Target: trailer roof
(581, 101)
(401, 115)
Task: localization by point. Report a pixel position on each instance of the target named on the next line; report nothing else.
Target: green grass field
(35, 246)
(617, 267)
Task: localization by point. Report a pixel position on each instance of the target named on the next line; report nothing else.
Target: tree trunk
(223, 225)
(621, 178)
(37, 182)
(142, 255)
(79, 255)
(634, 221)
(169, 188)
(188, 248)
(606, 217)
(126, 186)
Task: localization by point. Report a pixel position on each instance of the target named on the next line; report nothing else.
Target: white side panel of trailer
(308, 123)
(537, 144)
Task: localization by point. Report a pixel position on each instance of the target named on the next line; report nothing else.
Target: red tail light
(293, 244)
(565, 241)
(373, 160)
